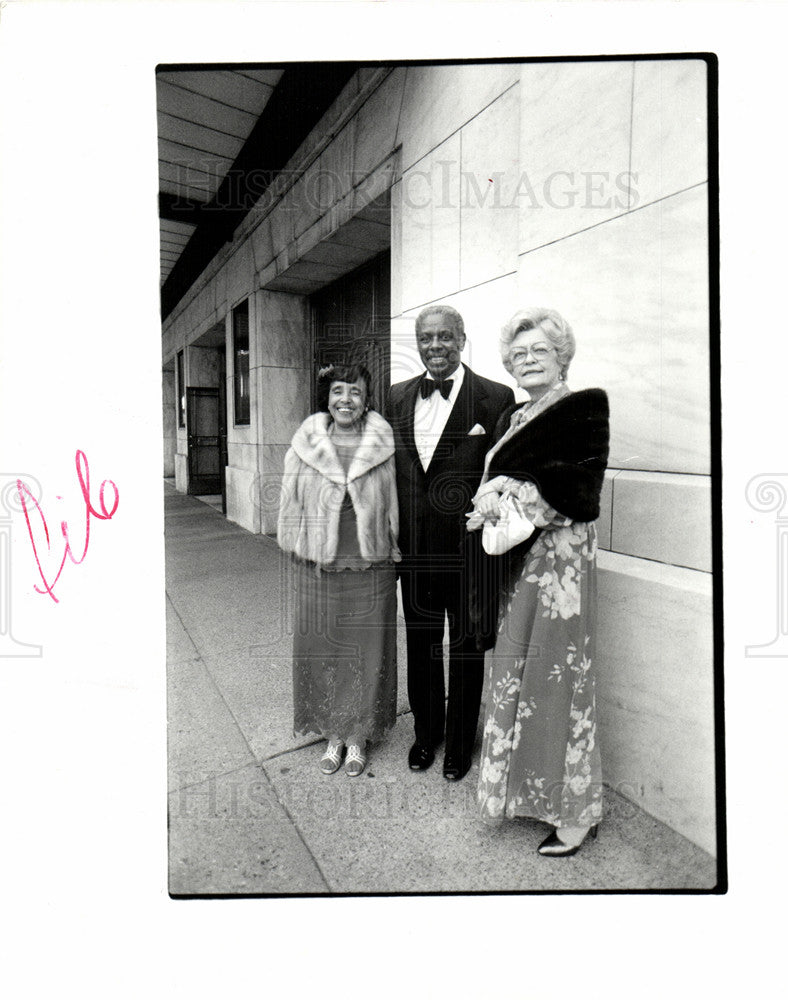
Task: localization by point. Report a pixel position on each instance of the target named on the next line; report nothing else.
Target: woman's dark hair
(342, 373)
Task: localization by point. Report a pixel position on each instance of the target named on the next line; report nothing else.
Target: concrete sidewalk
(251, 814)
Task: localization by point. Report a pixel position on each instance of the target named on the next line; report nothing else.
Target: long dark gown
(345, 641)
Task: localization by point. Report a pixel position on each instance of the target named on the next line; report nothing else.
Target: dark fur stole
(563, 451)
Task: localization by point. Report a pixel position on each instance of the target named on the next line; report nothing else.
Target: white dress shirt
(431, 415)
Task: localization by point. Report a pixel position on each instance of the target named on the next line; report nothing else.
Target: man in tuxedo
(443, 421)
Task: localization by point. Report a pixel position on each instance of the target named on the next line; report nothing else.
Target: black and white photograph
(393, 505)
(438, 450)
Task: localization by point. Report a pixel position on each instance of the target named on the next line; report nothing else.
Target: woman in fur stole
(338, 519)
(540, 756)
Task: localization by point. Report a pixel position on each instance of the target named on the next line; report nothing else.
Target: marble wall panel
(307, 200)
(219, 292)
(272, 459)
(376, 124)
(636, 293)
(240, 273)
(205, 305)
(207, 324)
(242, 454)
(489, 216)
(242, 491)
(219, 282)
(669, 127)
(439, 100)
(604, 521)
(370, 197)
(334, 172)
(181, 473)
(181, 441)
(346, 256)
(282, 224)
(171, 342)
(283, 333)
(262, 242)
(396, 249)
(574, 147)
(168, 400)
(431, 226)
(405, 361)
(284, 399)
(483, 309)
(664, 517)
(655, 691)
(169, 421)
(267, 275)
(168, 456)
(304, 273)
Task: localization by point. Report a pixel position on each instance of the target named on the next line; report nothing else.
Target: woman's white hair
(551, 323)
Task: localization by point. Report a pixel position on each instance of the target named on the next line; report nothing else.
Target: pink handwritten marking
(83, 475)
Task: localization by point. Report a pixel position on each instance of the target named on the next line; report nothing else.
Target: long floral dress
(540, 756)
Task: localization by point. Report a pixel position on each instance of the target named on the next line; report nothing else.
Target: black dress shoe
(455, 768)
(420, 757)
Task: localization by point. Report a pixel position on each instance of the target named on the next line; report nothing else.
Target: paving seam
(301, 837)
(213, 680)
(312, 743)
(213, 776)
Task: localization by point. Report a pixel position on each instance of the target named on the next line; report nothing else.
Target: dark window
(351, 323)
(180, 389)
(241, 362)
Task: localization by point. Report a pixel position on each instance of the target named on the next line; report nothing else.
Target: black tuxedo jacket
(433, 504)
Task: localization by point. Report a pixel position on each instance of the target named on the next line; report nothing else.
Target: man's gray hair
(447, 312)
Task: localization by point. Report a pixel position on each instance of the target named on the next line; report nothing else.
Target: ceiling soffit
(217, 127)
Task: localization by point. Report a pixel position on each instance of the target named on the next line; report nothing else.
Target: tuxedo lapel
(406, 420)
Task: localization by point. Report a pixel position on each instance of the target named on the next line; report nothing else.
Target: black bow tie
(428, 386)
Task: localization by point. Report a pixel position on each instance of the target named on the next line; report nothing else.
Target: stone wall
(583, 187)
(169, 420)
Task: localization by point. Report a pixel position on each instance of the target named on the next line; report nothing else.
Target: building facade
(582, 186)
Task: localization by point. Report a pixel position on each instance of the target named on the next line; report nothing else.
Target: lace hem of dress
(372, 734)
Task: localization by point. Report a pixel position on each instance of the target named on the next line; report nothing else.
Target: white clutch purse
(511, 528)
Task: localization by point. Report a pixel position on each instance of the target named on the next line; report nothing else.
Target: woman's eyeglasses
(538, 353)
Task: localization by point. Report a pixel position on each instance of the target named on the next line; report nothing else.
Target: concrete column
(169, 420)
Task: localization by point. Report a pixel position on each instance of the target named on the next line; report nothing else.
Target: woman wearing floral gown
(540, 756)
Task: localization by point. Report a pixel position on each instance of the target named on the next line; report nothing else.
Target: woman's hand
(496, 485)
(487, 505)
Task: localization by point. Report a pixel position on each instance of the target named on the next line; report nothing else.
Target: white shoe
(356, 760)
(332, 758)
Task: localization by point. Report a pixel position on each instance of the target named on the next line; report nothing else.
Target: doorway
(206, 418)
(351, 322)
(202, 426)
